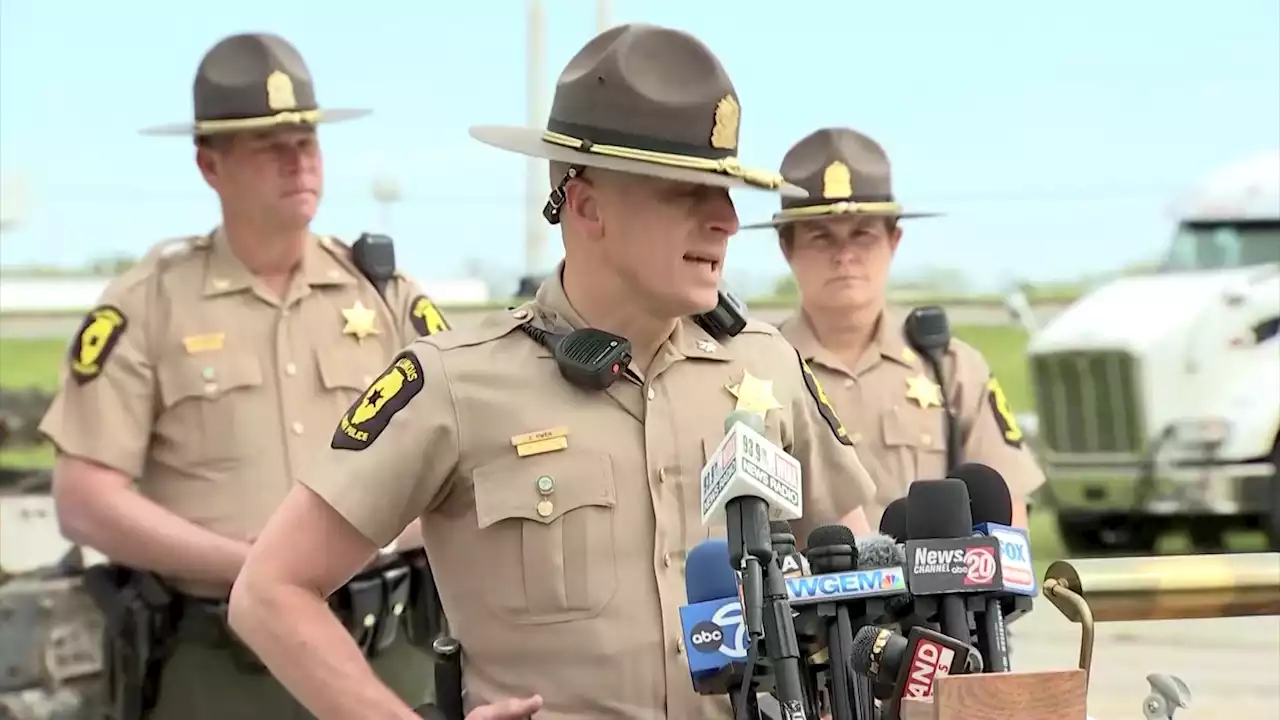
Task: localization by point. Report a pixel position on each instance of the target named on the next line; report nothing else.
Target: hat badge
(280, 92)
(837, 182)
(724, 134)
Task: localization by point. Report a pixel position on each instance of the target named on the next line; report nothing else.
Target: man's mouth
(708, 259)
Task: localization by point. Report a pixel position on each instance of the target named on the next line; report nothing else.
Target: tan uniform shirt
(196, 380)
(893, 409)
(557, 519)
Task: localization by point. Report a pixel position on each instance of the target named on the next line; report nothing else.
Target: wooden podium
(1057, 695)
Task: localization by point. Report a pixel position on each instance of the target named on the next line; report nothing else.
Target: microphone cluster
(850, 626)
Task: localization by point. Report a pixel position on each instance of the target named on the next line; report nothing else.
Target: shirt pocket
(547, 528)
(200, 400)
(344, 376)
(915, 450)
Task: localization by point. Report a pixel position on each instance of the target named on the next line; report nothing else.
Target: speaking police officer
(557, 506)
(840, 243)
(205, 378)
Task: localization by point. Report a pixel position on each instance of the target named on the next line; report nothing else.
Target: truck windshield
(1223, 246)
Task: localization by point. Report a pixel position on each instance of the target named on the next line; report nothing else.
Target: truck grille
(1089, 402)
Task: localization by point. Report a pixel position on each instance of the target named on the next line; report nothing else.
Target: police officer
(209, 371)
(840, 242)
(557, 514)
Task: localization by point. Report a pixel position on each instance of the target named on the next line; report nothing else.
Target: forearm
(410, 538)
(1021, 517)
(857, 522)
(134, 531)
(301, 642)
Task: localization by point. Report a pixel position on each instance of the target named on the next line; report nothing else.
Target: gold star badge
(924, 391)
(360, 321)
(754, 395)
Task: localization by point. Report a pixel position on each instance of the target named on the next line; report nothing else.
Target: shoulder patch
(95, 341)
(1003, 414)
(388, 395)
(426, 317)
(824, 405)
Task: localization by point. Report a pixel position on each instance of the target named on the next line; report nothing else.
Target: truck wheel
(1207, 536)
(1086, 535)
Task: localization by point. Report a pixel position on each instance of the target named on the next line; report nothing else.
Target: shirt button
(290, 369)
(297, 428)
(679, 646)
(926, 439)
(662, 475)
(666, 559)
(651, 393)
(848, 382)
(855, 438)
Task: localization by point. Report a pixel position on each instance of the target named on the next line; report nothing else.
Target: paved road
(1231, 665)
(62, 326)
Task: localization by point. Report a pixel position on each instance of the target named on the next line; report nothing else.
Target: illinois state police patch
(95, 341)
(824, 405)
(426, 317)
(388, 395)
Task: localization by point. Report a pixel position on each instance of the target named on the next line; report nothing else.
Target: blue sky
(1054, 138)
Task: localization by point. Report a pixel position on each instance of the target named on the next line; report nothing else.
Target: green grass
(30, 363)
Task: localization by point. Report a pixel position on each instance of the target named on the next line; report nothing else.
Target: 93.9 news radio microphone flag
(753, 481)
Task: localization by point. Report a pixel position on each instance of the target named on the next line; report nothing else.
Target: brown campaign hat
(253, 82)
(844, 172)
(644, 100)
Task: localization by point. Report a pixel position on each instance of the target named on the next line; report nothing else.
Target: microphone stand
(751, 549)
(784, 647)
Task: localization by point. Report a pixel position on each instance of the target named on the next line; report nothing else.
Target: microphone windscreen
(863, 649)
(879, 551)
(894, 520)
(827, 535)
(708, 574)
(989, 499)
(779, 527)
(750, 419)
(938, 509)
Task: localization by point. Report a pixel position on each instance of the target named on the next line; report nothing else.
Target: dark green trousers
(200, 682)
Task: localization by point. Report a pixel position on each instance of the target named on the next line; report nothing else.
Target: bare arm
(1020, 516)
(98, 507)
(278, 606)
(856, 521)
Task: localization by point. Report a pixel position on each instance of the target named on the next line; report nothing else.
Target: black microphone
(908, 667)
(989, 502)
(795, 695)
(944, 559)
(833, 549)
(893, 521)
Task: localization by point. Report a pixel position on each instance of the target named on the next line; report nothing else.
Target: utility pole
(535, 229)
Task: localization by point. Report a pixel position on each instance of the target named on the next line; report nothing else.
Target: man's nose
(722, 216)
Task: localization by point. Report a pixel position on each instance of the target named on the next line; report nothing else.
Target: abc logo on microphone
(706, 637)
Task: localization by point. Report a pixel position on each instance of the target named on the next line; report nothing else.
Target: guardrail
(37, 324)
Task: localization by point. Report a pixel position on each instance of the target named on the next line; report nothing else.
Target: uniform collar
(688, 340)
(225, 272)
(888, 343)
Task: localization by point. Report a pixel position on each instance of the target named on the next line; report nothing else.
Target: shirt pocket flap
(918, 429)
(339, 370)
(209, 377)
(542, 488)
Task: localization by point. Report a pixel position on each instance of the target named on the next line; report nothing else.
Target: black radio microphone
(990, 502)
(939, 556)
(833, 549)
(588, 358)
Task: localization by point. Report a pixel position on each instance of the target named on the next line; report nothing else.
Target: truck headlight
(1201, 431)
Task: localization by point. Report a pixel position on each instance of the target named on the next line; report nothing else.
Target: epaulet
(759, 327)
(174, 248)
(491, 327)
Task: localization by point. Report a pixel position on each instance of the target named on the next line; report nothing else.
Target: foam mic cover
(989, 499)
(832, 548)
(708, 573)
(880, 551)
(938, 509)
(894, 520)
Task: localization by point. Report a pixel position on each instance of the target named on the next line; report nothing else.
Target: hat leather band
(843, 207)
(288, 117)
(614, 144)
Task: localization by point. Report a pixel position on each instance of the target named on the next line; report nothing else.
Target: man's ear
(582, 201)
(785, 244)
(895, 237)
(207, 162)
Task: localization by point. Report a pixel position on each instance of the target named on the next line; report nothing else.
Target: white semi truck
(1158, 396)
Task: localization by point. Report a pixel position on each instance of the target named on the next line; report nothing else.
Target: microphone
(833, 549)
(909, 667)
(992, 507)
(893, 521)
(790, 564)
(944, 559)
(711, 624)
(753, 481)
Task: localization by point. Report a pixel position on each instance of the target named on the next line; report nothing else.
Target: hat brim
(257, 124)
(780, 222)
(528, 141)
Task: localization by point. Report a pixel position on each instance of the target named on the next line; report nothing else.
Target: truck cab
(1158, 396)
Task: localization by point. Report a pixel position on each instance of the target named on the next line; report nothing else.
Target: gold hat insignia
(280, 92)
(724, 134)
(837, 182)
